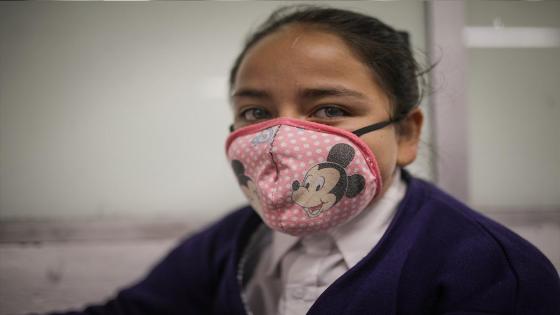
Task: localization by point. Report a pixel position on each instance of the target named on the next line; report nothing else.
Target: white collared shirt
(289, 273)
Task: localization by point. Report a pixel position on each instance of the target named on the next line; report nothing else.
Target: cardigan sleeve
(461, 262)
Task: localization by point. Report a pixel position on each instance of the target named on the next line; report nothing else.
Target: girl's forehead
(301, 56)
(301, 42)
(303, 35)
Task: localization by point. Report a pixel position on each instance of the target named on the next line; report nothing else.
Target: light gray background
(120, 109)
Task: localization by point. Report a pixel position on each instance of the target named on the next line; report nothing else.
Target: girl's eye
(330, 112)
(253, 114)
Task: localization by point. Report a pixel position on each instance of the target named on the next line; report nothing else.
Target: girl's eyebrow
(308, 93)
(248, 92)
(319, 92)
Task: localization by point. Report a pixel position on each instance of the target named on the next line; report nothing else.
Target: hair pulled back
(383, 49)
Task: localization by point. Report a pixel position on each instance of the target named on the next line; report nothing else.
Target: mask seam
(272, 157)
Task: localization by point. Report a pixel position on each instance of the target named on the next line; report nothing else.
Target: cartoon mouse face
(247, 185)
(326, 183)
(317, 192)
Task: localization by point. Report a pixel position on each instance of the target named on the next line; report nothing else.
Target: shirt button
(298, 293)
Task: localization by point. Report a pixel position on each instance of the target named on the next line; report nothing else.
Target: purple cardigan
(437, 257)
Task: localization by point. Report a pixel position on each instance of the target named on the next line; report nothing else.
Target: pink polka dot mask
(304, 177)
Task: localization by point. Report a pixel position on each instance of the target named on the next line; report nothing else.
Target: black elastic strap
(362, 131)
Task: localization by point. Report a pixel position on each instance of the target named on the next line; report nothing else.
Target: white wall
(513, 100)
(120, 109)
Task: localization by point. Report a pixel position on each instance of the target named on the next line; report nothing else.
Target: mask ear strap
(370, 128)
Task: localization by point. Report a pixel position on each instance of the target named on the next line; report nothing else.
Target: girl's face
(306, 73)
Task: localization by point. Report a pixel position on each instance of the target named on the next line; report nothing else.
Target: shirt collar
(356, 238)
(281, 244)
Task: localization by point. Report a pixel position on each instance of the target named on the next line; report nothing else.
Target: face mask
(304, 177)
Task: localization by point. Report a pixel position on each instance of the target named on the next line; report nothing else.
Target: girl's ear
(409, 131)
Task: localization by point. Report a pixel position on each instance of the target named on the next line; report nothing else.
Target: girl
(325, 119)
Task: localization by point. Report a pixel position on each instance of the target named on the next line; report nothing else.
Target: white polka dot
(296, 148)
(318, 151)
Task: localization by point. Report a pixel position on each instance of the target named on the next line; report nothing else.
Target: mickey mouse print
(303, 177)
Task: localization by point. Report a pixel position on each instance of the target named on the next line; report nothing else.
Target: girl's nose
(290, 111)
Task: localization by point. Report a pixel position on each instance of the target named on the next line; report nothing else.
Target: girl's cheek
(384, 147)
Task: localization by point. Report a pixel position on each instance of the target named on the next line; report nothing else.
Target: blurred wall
(113, 118)
(113, 110)
(513, 99)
